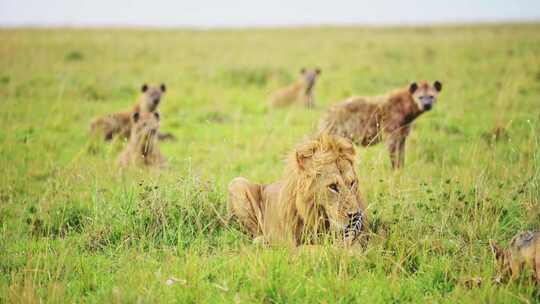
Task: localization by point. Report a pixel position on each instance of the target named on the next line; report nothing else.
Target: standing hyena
(120, 123)
(370, 120)
(301, 91)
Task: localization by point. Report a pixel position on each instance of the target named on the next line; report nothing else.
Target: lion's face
(327, 164)
(151, 97)
(336, 191)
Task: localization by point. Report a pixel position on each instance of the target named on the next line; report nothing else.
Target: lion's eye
(333, 187)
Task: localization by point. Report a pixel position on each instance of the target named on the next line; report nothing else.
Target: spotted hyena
(370, 120)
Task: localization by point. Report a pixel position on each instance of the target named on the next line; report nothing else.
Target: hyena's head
(309, 77)
(502, 258)
(425, 94)
(151, 96)
(144, 131)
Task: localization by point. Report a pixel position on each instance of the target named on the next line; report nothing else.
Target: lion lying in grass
(317, 196)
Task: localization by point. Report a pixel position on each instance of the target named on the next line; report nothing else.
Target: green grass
(73, 227)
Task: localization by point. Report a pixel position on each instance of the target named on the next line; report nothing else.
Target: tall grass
(74, 227)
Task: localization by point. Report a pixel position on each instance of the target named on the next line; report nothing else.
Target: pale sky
(255, 13)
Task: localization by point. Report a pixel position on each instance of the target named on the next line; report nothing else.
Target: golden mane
(319, 191)
(303, 166)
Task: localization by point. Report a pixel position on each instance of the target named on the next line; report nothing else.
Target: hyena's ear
(318, 71)
(156, 115)
(136, 116)
(163, 88)
(144, 88)
(438, 85)
(302, 71)
(497, 250)
(413, 87)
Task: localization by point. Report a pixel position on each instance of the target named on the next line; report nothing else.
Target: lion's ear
(346, 147)
(303, 158)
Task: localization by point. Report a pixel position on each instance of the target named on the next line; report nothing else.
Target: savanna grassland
(76, 228)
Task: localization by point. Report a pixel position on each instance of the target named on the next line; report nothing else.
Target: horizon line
(463, 23)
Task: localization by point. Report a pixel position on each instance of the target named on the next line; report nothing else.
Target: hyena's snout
(427, 102)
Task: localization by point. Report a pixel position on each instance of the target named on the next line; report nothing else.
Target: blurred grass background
(76, 228)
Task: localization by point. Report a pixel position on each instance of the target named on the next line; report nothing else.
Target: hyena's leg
(166, 136)
(309, 101)
(106, 126)
(393, 149)
(109, 135)
(401, 161)
(245, 204)
(515, 268)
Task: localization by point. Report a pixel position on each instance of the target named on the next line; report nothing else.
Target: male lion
(301, 91)
(142, 147)
(369, 120)
(318, 195)
(120, 123)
